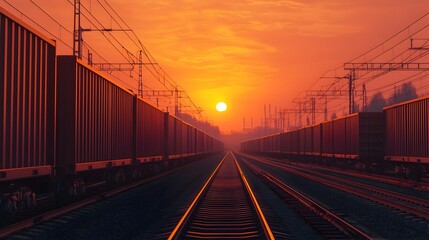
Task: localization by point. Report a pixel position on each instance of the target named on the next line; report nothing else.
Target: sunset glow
(253, 52)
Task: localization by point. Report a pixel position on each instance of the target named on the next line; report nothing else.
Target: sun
(221, 107)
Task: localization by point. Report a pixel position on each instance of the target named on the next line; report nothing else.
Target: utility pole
(394, 93)
(176, 101)
(77, 33)
(380, 66)
(313, 111)
(265, 119)
(77, 50)
(89, 58)
(244, 123)
(140, 90)
(351, 91)
(325, 110)
(363, 97)
(275, 117)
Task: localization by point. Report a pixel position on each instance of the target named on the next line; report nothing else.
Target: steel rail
(267, 230)
(192, 212)
(415, 211)
(318, 209)
(179, 226)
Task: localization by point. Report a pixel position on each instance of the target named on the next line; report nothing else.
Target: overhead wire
(411, 57)
(169, 79)
(35, 22)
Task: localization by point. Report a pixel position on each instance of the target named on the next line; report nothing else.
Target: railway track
(405, 183)
(415, 206)
(326, 223)
(225, 208)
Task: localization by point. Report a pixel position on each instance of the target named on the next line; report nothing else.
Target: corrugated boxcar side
(272, 143)
(27, 67)
(171, 135)
(285, 142)
(262, 145)
(95, 118)
(251, 146)
(200, 142)
(156, 128)
(246, 146)
(294, 142)
(327, 138)
(308, 140)
(208, 142)
(257, 146)
(178, 136)
(215, 145)
(266, 143)
(184, 139)
(371, 135)
(290, 142)
(278, 143)
(407, 137)
(150, 130)
(317, 139)
(302, 140)
(352, 135)
(191, 140)
(339, 137)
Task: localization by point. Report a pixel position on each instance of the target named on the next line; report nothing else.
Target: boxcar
(407, 131)
(150, 135)
(317, 133)
(339, 137)
(200, 142)
(192, 148)
(94, 119)
(302, 141)
(27, 112)
(365, 136)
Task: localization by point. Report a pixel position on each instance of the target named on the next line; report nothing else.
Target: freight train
(65, 125)
(394, 141)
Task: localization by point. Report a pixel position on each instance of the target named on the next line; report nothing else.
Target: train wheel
(28, 199)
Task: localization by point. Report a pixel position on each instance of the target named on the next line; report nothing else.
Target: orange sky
(248, 53)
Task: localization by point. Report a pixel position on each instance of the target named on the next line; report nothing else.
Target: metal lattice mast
(140, 74)
(351, 92)
(380, 66)
(77, 33)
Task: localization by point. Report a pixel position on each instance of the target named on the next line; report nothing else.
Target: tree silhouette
(405, 93)
(377, 103)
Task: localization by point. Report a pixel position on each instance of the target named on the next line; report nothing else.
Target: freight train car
(27, 114)
(407, 136)
(355, 140)
(199, 142)
(352, 141)
(151, 131)
(94, 123)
